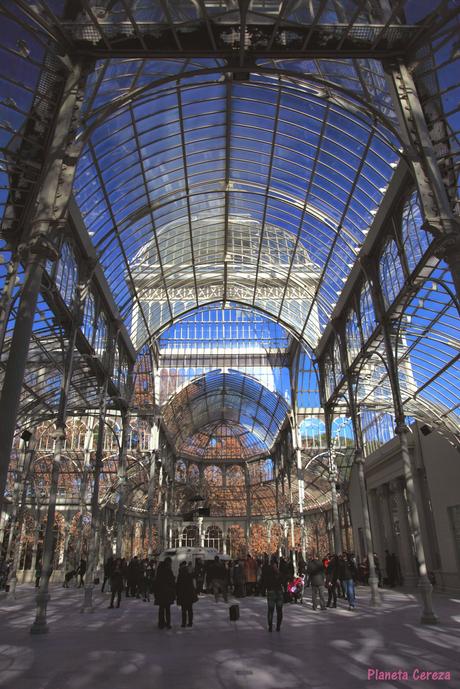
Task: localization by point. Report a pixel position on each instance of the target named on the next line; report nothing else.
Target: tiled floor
(123, 649)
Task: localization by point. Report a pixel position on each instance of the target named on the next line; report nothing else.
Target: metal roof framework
(228, 132)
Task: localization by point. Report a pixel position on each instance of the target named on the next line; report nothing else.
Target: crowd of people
(282, 580)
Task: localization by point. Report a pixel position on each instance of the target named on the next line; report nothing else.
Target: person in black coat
(108, 567)
(315, 571)
(332, 576)
(165, 592)
(116, 582)
(346, 576)
(272, 581)
(186, 593)
(199, 575)
(81, 572)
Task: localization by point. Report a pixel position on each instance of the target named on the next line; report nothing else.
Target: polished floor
(123, 649)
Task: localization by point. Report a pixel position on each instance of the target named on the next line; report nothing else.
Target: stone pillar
(376, 522)
(200, 532)
(337, 540)
(224, 538)
(426, 589)
(373, 578)
(405, 548)
(154, 457)
(383, 493)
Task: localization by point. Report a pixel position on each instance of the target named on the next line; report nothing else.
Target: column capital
(401, 427)
(40, 243)
(359, 455)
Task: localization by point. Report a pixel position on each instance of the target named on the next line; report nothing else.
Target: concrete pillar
(383, 495)
(336, 535)
(373, 578)
(426, 589)
(200, 532)
(405, 548)
(376, 522)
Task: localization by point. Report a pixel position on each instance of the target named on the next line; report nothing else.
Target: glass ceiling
(215, 176)
(209, 189)
(220, 412)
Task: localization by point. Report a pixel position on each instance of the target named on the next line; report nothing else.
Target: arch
(224, 416)
(190, 536)
(213, 538)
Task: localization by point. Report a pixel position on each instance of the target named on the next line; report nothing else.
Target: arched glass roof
(198, 157)
(216, 412)
(217, 170)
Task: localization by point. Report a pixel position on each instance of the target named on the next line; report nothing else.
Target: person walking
(116, 582)
(217, 579)
(108, 566)
(272, 583)
(250, 574)
(315, 571)
(332, 575)
(346, 578)
(238, 579)
(165, 592)
(81, 572)
(199, 575)
(38, 573)
(186, 593)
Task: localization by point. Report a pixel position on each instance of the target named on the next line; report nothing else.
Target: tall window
(366, 307)
(337, 360)
(352, 336)
(391, 272)
(66, 274)
(213, 538)
(415, 239)
(329, 378)
(88, 318)
(100, 340)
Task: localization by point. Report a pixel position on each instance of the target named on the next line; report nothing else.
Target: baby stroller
(295, 589)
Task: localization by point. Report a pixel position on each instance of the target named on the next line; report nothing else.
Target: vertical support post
(16, 526)
(93, 543)
(401, 430)
(376, 600)
(7, 295)
(248, 521)
(122, 466)
(154, 445)
(332, 478)
(40, 625)
(200, 532)
(426, 589)
(50, 215)
(300, 481)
